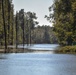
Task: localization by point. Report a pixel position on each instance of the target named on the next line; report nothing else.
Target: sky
(40, 7)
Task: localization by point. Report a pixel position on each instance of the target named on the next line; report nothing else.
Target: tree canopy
(64, 20)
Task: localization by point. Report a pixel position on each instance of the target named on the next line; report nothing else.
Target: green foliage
(43, 34)
(9, 22)
(67, 49)
(26, 23)
(64, 20)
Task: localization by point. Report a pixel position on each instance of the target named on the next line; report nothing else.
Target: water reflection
(37, 64)
(40, 46)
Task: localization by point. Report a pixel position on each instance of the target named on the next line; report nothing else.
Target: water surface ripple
(37, 64)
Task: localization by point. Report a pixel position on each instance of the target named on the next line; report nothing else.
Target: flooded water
(37, 64)
(40, 46)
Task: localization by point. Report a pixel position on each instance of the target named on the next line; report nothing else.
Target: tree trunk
(5, 33)
(23, 31)
(8, 22)
(16, 30)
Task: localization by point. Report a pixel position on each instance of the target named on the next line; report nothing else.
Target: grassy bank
(67, 49)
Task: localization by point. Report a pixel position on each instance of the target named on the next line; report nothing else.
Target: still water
(37, 64)
(40, 46)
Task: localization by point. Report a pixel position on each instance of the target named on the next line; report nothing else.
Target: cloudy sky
(40, 7)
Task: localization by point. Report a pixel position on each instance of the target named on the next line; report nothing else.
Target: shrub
(67, 49)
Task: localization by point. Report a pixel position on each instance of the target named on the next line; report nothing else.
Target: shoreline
(11, 50)
(26, 51)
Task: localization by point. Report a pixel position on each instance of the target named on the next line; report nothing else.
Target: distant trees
(64, 20)
(27, 31)
(44, 34)
(46, 37)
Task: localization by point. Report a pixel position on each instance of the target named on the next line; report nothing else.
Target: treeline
(21, 28)
(43, 34)
(64, 20)
(29, 32)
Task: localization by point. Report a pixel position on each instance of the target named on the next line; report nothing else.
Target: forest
(63, 16)
(64, 20)
(22, 27)
(29, 48)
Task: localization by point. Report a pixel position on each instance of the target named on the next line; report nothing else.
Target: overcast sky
(40, 7)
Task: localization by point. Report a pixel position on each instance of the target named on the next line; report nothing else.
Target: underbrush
(67, 49)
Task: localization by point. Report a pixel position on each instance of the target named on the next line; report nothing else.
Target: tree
(25, 23)
(64, 21)
(31, 23)
(21, 19)
(5, 34)
(46, 36)
(6, 22)
(43, 34)
(16, 20)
